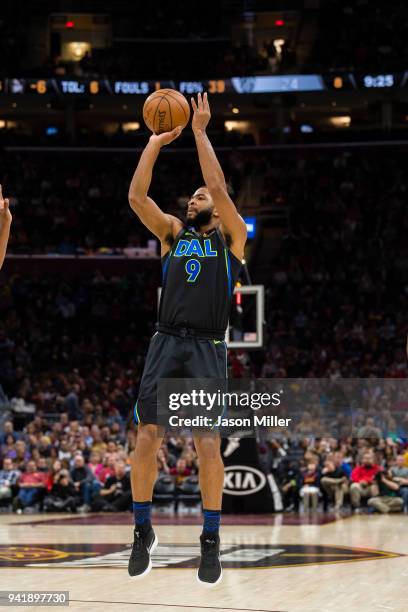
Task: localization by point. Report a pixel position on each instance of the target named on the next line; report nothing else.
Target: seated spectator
(341, 459)
(180, 472)
(385, 494)
(7, 448)
(98, 443)
(85, 483)
(369, 431)
(115, 495)
(334, 480)
(31, 484)
(20, 454)
(111, 449)
(63, 496)
(290, 487)
(95, 463)
(310, 489)
(162, 466)
(191, 459)
(65, 451)
(362, 478)
(42, 466)
(8, 480)
(8, 430)
(53, 474)
(399, 474)
(108, 469)
(175, 445)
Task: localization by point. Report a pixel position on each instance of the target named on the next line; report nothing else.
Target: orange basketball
(164, 110)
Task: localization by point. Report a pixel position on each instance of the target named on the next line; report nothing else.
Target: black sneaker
(140, 562)
(210, 571)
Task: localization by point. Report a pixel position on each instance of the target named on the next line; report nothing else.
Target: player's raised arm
(214, 178)
(158, 222)
(5, 223)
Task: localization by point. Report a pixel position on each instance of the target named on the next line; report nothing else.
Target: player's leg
(161, 362)
(211, 475)
(208, 360)
(208, 447)
(143, 477)
(144, 472)
(144, 460)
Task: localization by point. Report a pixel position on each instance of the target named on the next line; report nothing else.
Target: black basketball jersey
(199, 276)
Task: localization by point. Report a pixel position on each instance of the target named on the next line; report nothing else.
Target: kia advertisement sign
(243, 480)
(247, 488)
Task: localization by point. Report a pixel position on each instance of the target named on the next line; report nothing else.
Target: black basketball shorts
(177, 356)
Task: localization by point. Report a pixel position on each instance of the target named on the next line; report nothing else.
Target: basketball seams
(155, 112)
(147, 106)
(171, 115)
(145, 111)
(180, 104)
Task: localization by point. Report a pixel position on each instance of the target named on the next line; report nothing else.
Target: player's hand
(167, 137)
(5, 214)
(202, 114)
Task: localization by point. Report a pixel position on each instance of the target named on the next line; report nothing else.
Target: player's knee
(208, 448)
(148, 438)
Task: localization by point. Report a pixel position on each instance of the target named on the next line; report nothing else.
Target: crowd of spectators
(70, 466)
(68, 203)
(337, 288)
(356, 474)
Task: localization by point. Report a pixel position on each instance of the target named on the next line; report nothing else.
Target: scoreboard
(239, 85)
(69, 86)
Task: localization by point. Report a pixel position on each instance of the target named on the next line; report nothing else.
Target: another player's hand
(167, 137)
(202, 114)
(5, 214)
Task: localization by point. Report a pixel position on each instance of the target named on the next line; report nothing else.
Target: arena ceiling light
(6, 124)
(278, 44)
(77, 50)
(130, 126)
(238, 126)
(341, 121)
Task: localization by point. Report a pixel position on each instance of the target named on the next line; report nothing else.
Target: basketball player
(5, 223)
(201, 260)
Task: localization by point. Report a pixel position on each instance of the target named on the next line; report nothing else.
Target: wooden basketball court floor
(275, 563)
